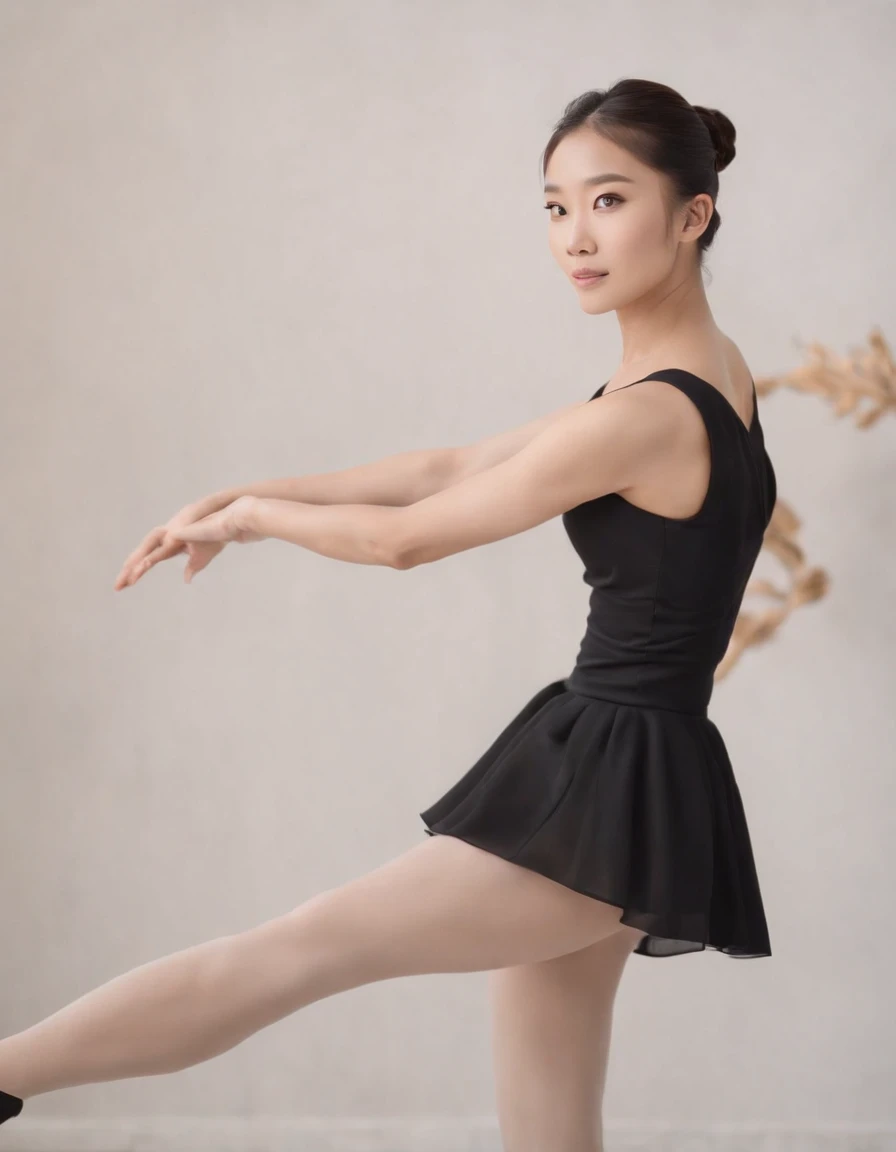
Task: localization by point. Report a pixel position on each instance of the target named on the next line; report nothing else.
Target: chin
(595, 307)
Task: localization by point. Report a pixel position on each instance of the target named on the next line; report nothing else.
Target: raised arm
(399, 480)
(394, 481)
(585, 453)
(589, 451)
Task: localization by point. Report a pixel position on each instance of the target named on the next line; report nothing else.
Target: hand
(230, 523)
(160, 544)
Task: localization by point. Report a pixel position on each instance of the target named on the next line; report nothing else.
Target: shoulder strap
(600, 390)
(723, 411)
(696, 389)
(719, 432)
(717, 412)
(733, 446)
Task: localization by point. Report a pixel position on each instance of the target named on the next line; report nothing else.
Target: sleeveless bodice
(615, 782)
(665, 591)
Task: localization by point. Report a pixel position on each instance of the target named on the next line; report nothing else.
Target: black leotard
(614, 781)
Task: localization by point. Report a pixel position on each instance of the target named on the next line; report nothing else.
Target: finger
(139, 569)
(190, 532)
(201, 555)
(131, 574)
(127, 576)
(198, 560)
(146, 546)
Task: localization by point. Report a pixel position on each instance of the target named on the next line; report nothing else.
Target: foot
(9, 1106)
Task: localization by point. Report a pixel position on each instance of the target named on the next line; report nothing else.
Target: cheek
(556, 243)
(639, 234)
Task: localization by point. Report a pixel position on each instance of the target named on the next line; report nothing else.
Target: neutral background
(243, 240)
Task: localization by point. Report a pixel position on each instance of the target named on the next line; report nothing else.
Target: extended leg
(442, 906)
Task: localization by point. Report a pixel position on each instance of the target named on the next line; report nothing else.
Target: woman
(605, 818)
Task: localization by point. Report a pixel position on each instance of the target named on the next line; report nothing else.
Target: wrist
(248, 514)
(218, 500)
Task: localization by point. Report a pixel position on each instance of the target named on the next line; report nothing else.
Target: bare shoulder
(721, 365)
(654, 404)
(653, 418)
(738, 370)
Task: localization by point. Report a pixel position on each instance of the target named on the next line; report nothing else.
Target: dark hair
(688, 143)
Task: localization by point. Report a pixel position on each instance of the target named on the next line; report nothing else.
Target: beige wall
(242, 240)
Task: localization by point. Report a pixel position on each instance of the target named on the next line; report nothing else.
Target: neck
(673, 315)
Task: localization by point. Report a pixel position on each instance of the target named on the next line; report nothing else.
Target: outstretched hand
(213, 531)
(230, 523)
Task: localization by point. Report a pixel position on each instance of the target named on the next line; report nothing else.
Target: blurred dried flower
(867, 375)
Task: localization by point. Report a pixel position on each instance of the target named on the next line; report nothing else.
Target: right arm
(401, 479)
(398, 480)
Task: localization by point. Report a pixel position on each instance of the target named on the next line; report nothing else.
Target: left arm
(591, 451)
(358, 533)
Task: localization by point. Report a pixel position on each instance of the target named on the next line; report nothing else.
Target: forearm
(358, 533)
(394, 481)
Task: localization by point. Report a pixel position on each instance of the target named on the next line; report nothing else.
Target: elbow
(395, 554)
(397, 547)
(412, 556)
(389, 543)
(401, 560)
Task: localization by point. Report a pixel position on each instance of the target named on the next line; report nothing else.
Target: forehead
(583, 157)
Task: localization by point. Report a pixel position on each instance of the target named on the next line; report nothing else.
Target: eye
(603, 196)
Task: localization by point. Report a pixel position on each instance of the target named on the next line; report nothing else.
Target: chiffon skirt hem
(634, 806)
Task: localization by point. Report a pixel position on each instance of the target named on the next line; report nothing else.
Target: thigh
(551, 1024)
(448, 906)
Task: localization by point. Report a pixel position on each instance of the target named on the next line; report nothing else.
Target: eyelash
(603, 196)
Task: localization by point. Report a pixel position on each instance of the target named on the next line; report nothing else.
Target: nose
(580, 242)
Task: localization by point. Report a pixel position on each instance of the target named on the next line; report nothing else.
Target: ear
(697, 217)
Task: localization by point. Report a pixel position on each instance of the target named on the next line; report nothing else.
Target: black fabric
(10, 1106)
(614, 781)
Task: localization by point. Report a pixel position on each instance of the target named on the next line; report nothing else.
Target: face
(619, 226)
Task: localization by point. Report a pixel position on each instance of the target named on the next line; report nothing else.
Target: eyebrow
(602, 179)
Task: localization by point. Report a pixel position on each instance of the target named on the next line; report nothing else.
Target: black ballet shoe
(9, 1106)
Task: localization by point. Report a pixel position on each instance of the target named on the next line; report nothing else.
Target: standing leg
(551, 1024)
(442, 906)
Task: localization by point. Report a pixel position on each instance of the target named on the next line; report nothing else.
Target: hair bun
(722, 132)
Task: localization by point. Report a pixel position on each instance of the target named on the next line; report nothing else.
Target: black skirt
(635, 806)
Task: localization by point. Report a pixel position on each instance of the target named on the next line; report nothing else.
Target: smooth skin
(443, 906)
(555, 957)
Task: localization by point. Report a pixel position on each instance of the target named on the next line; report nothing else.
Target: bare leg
(551, 1027)
(443, 906)
(163, 1016)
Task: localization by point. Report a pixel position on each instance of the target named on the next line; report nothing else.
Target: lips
(587, 273)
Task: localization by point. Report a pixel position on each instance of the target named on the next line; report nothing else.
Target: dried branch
(803, 584)
(866, 375)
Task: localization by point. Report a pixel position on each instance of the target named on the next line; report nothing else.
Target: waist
(643, 685)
